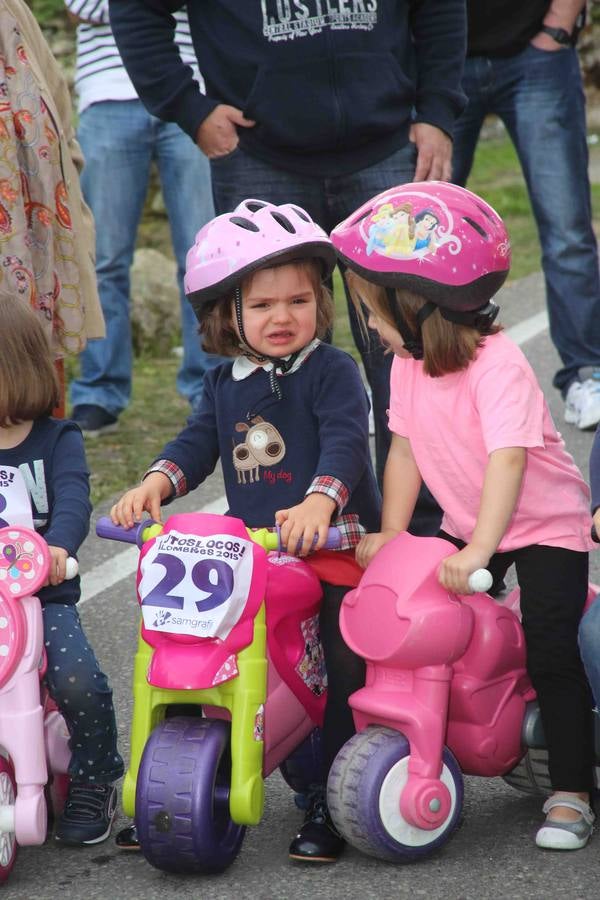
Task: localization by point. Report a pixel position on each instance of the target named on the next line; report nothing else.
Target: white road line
(528, 328)
(120, 566)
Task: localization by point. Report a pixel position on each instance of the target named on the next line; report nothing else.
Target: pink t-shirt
(454, 422)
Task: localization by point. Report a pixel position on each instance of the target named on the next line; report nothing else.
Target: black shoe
(127, 838)
(94, 420)
(88, 814)
(317, 841)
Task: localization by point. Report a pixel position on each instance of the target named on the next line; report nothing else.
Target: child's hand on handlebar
(147, 497)
(371, 544)
(299, 524)
(455, 570)
(58, 565)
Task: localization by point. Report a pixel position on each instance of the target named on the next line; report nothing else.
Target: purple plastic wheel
(363, 791)
(182, 797)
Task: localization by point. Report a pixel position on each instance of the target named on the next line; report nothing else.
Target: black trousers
(345, 674)
(554, 586)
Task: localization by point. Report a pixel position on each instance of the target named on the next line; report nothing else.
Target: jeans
(83, 695)
(120, 139)
(538, 95)
(238, 176)
(589, 646)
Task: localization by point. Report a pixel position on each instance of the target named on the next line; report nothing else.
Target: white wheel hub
(389, 807)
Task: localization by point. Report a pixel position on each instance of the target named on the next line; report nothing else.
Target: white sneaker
(582, 403)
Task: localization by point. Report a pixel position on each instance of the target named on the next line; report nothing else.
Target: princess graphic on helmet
(425, 224)
(393, 230)
(413, 229)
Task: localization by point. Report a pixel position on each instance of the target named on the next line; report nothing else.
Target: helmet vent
(244, 223)
(362, 216)
(254, 205)
(485, 213)
(301, 213)
(284, 222)
(477, 227)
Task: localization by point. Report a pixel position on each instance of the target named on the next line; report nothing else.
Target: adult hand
(217, 135)
(434, 152)
(544, 41)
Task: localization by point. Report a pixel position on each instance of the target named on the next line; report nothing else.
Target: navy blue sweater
(52, 461)
(331, 84)
(318, 428)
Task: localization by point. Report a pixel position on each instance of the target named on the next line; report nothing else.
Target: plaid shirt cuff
(351, 530)
(173, 473)
(332, 487)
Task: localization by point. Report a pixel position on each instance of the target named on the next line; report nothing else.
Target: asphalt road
(492, 855)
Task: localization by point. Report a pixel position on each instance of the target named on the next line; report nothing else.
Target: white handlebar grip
(480, 581)
(73, 567)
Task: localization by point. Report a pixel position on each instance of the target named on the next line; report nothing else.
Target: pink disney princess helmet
(435, 239)
(256, 234)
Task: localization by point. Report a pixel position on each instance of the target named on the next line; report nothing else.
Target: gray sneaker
(554, 835)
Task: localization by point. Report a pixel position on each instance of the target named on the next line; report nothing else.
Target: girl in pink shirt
(469, 418)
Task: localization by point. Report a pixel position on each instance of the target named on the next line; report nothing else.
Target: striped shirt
(100, 73)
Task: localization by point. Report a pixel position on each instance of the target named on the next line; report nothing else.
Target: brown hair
(447, 346)
(217, 325)
(29, 386)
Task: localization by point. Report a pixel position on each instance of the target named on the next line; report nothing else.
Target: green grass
(157, 413)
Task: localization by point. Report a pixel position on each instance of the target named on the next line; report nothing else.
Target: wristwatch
(560, 35)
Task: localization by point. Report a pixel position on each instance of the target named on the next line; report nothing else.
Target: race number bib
(15, 506)
(195, 585)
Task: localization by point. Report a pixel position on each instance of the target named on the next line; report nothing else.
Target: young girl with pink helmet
(468, 416)
(287, 416)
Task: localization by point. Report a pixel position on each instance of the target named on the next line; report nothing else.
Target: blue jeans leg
(83, 695)
(589, 646)
(539, 97)
(185, 179)
(117, 144)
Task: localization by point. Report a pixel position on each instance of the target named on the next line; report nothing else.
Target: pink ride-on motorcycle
(228, 684)
(446, 693)
(34, 751)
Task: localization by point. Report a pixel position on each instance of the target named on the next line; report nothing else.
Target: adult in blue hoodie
(320, 102)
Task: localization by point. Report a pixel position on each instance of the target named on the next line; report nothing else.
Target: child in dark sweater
(287, 415)
(50, 455)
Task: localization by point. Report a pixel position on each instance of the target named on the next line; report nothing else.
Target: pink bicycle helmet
(255, 234)
(436, 239)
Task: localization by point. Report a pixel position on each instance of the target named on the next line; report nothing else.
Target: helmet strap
(284, 365)
(481, 319)
(412, 339)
